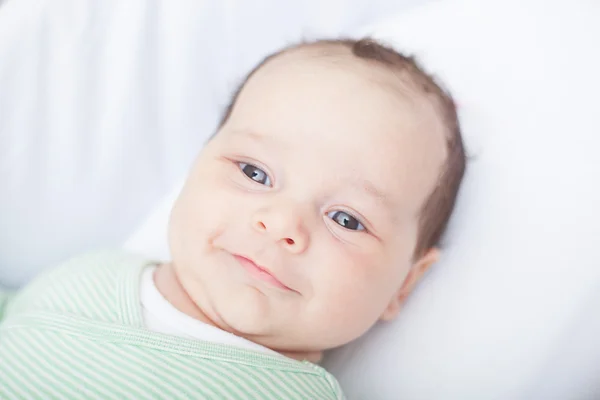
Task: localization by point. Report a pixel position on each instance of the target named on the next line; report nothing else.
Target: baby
(310, 215)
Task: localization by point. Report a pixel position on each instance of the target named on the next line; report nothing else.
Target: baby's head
(335, 170)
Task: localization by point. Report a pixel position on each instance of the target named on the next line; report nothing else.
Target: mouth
(259, 272)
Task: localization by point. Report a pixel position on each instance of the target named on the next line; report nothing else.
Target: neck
(169, 286)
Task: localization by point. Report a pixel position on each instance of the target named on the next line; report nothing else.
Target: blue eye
(255, 173)
(346, 220)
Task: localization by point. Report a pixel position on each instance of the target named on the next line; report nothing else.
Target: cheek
(352, 289)
(202, 211)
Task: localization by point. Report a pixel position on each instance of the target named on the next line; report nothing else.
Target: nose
(284, 225)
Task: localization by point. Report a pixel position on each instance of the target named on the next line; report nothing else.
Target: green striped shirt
(77, 332)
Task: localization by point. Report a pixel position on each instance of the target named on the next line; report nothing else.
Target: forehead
(339, 113)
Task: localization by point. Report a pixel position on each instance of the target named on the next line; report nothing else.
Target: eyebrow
(256, 137)
(372, 190)
(251, 134)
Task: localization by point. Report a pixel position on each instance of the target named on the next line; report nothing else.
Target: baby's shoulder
(86, 285)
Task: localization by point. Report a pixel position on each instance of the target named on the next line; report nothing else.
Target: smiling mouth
(260, 273)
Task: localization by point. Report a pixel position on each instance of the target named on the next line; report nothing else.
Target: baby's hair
(437, 208)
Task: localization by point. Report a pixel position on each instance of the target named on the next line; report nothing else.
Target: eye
(346, 220)
(255, 173)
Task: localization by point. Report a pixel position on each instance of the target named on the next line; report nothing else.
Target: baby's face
(318, 177)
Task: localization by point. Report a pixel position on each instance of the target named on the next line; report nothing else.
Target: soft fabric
(78, 332)
(161, 316)
(5, 296)
(511, 311)
(103, 105)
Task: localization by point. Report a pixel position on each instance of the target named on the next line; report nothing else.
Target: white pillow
(511, 311)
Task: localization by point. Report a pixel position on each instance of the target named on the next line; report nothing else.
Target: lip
(259, 272)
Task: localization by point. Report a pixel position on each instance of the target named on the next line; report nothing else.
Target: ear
(415, 274)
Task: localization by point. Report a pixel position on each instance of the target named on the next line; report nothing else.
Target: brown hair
(438, 207)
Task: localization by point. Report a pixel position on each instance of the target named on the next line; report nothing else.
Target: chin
(245, 310)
